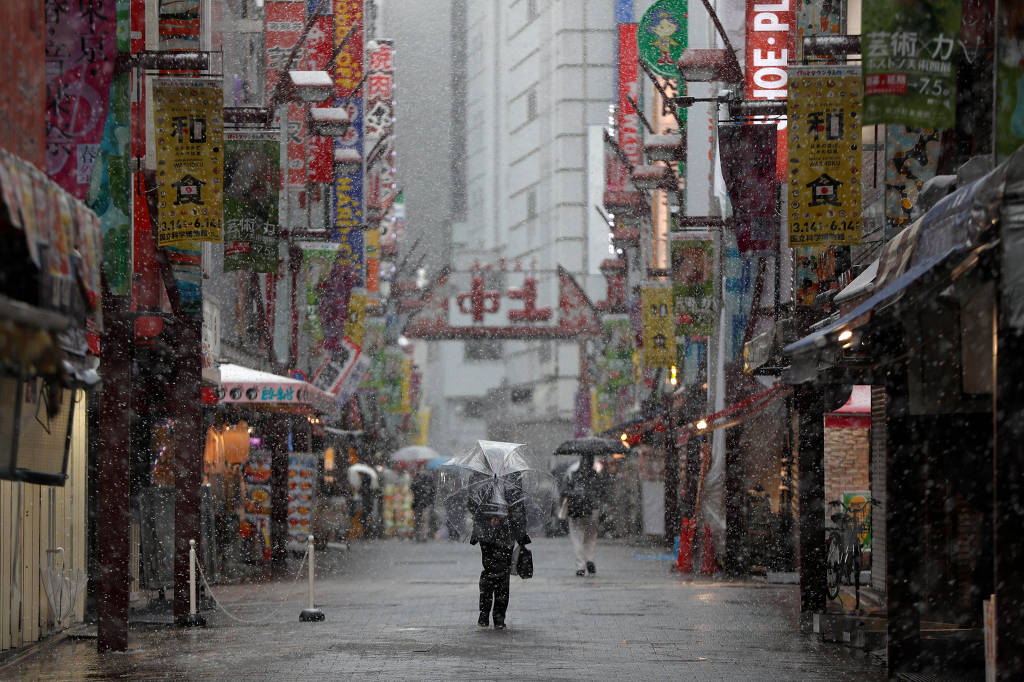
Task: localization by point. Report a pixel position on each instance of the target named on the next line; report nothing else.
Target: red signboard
(284, 22)
(349, 69)
(23, 87)
(629, 89)
(770, 44)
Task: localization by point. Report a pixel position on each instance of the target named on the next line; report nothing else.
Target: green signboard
(910, 54)
(251, 174)
(661, 36)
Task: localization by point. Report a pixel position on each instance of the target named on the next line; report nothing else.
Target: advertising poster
(910, 55)
(80, 51)
(629, 89)
(189, 160)
(693, 286)
(301, 489)
(251, 170)
(659, 340)
(816, 18)
(284, 21)
(748, 167)
(662, 36)
(1009, 79)
(911, 159)
(769, 49)
(257, 500)
(612, 373)
(824, 155)
(335, 367)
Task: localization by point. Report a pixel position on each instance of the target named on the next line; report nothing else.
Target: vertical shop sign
(80, 50)
(659, 335)
(178, 24)
(348, 186)
(693, 286)
(378, 125)
(251, 168)
(189, 159)
(319, 46)
(910, 53)
(769, 47)
(629, 89)
(1009, 116)
(748, 167)
(823, 192)
(302, 488)
(911, 159)
(284, 20)
(661, 36)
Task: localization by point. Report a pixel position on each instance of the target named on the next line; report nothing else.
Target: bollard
(194, 619)
(310, 614)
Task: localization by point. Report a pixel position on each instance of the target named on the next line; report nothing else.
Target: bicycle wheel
(833, 564)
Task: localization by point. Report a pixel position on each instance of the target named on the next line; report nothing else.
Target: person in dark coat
(499, 522)
(424, 490)
(584, 491)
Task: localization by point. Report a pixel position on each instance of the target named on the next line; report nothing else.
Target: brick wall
(847, 455)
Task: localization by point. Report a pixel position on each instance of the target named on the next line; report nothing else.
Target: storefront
(939, 340)
(49, 293)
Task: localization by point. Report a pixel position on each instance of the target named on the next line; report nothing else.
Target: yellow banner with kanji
(189, 160)
(355, 326)
(658, 329)
(406, 405)
(823, 192)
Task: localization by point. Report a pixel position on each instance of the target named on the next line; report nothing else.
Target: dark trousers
(494, 579)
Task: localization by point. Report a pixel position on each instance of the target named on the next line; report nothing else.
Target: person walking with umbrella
(496, 479)
(582, 496)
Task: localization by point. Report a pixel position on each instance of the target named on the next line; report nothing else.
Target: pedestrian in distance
(582, 501)
(424, 489)
(499, 521)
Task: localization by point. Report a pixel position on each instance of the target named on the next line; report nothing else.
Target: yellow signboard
(823, 192)
(355, 324)
(189, 160)
(658, 328)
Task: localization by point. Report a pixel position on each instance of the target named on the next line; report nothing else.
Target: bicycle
(843, 548)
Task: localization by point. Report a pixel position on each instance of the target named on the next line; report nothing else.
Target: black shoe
(499, 624)
(483, 621)
(591, 569)
(580, 573)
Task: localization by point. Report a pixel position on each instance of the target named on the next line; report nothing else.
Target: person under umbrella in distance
(583, 493)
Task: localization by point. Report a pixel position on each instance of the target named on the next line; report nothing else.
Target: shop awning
(923, 255)
(240, 384)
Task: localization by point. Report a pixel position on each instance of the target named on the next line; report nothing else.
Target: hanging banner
(283, 26)
(189, 159)
(349, 208)
(693, 286)
(80, 51)
(910, 62)
(178, 24)
(251, 170)
(662, 37)
(825, 155)
(748, 167)
(658, 336)
(319, 47)
(769, 47)
(629, 89)
(335, 367)
(911, 159)
(354, 325)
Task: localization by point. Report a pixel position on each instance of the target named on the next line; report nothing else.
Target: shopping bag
(524, 563)
(563, 511)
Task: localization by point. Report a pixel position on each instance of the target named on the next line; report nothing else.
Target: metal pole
(310, 614)
(188, 461)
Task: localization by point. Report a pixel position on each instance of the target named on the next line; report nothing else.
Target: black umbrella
(591, 445)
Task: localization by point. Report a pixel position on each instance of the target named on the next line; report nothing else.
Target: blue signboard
(349, 206)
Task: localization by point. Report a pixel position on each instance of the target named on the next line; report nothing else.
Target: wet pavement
(400, 610)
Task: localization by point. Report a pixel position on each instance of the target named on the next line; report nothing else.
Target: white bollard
(193, 619)
(310, 614)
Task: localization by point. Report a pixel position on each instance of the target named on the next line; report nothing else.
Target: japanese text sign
(823, 190)
(910, 53)
(769, 47)
(189, 159)
(658, 330)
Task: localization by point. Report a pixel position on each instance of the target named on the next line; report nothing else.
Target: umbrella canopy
(358, 469)
(511, 466)
(591, 445)
(414, 453)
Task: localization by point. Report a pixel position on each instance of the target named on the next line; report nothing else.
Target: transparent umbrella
(510, 467)
(62, 586)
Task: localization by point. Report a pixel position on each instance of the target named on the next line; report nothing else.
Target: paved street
(399, 610)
